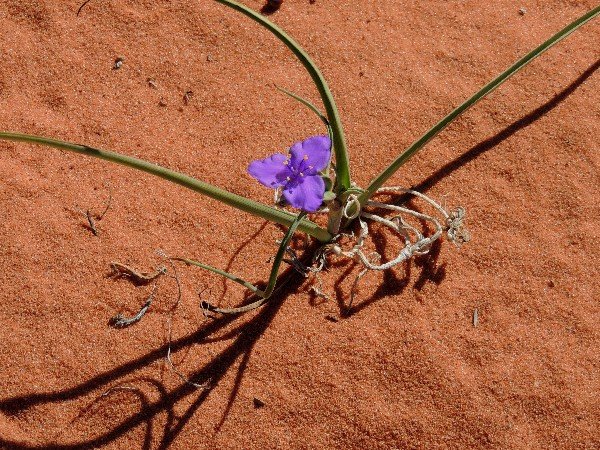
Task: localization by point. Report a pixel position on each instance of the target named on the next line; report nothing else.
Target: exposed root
(415, 241)
(172, 310)
(453, 220)
(353, 290)
(317, 288)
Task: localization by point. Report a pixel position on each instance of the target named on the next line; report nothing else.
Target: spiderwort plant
(303, 176)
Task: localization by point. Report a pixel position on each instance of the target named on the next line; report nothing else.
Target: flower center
(298, 171)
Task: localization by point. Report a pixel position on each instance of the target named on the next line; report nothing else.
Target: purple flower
(297, 173)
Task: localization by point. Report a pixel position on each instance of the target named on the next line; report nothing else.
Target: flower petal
(271, 171)
(305, 194)
(314, 151)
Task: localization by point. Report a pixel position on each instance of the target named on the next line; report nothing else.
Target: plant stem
(417, 145)
(339, 142)
(237, 201)
(264, 295)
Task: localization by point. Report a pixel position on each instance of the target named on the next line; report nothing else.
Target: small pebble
(258, 403)
(187, 97)
(152, 83)
(522, 11)
(118, 63)
(475, 317)
(162, 102)
(209, 58)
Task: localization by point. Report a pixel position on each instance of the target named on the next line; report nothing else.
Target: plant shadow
(245, 336)
(502, 135)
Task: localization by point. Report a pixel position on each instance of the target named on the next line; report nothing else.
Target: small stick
(82, 5)
(107, 207)
(90, 217)
(138, 277)
(120, 321)
(187, 97)
(118, 388)
(206, 385)
(91, 222)
(475, 317)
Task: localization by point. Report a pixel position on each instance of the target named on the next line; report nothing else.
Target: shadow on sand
(245, 336)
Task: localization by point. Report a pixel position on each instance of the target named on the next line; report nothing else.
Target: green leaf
(306, 103)
(229, 198)
(339, 142)
(420, 143)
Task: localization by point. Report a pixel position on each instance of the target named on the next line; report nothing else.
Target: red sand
(407, 369)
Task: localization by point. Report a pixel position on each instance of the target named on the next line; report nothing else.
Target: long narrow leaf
(419, 143)
(306, 103)
(239, 202)
(339, 142)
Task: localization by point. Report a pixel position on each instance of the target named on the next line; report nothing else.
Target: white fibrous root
(416, 242)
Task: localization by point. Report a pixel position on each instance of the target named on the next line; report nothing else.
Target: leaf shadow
(490, 143)
(248, 334)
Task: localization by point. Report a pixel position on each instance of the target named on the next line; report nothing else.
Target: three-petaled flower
(298, 173)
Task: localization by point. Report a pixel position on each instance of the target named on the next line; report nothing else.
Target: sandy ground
(407, 369)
